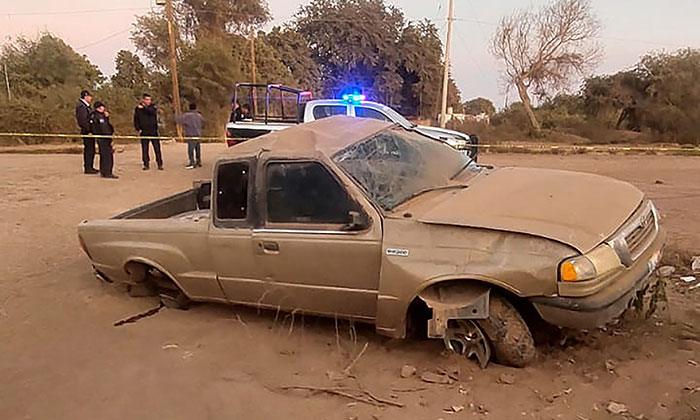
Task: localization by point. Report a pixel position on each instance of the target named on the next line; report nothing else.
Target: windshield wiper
(465, 166)
(425, 190)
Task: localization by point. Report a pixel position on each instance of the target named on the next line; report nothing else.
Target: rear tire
(511, 341)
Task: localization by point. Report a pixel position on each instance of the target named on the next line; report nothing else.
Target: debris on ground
(550, 399)
(169, 346)
(688, 279)
(407, 371)
(694, 287)
(695, 265)
(453, 409)
(506, 378)
(616, 408)
(666, 271)
(452, 372)
(140, 315)
(610, 366)
(434, 378)
(359, 394)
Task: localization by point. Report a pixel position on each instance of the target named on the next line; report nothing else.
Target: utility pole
(446, 76)
(173, 64)
(253, 69)
(7, 82)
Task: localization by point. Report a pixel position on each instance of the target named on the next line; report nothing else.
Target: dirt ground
(62, 358)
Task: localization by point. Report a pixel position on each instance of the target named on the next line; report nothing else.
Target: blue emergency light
(354, 98)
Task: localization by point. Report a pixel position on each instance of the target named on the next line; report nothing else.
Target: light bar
(354, 97)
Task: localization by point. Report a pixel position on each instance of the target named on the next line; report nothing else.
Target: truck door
(230, 234)
(318, 249)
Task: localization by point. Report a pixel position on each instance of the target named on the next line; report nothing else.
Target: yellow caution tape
(535, 147)
(114, 136)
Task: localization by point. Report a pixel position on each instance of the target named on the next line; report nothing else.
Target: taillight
(83, 246)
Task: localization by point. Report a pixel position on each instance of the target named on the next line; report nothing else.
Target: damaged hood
(578, 209)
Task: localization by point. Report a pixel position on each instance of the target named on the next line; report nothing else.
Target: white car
(285, 107)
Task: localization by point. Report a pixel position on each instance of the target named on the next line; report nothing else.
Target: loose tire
(511, 341)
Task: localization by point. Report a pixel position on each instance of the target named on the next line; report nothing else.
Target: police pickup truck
(262, 109)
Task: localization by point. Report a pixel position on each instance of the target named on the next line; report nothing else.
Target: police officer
(99, 122)
(146, 123)
(82, 116)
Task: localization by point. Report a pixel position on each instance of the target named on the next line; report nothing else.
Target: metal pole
(446, 76)
(7, 82)
(173, 65)
(253, 68)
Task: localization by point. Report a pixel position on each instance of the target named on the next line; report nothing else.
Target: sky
(631, 28)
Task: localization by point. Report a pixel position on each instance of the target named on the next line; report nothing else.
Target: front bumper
(608, 303)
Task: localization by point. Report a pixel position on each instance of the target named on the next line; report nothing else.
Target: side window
(305, 192)
(324, 111)
(232, 191)
(364, 112)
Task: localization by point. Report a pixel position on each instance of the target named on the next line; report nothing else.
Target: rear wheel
(510, 338)
(149, 281)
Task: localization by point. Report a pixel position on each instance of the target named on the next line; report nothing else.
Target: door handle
(270, 247)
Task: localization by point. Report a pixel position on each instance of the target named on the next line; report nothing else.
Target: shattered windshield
(396, 165)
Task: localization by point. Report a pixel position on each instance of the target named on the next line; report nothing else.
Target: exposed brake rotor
(464, 337)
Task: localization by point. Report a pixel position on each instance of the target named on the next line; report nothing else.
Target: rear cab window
(365, 112)
(325, 111)
(232, 186)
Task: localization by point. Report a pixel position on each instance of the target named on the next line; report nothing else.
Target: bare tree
(543, 50)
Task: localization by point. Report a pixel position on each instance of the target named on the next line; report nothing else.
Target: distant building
(480, 118)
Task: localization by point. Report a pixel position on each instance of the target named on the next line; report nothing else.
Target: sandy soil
(62, 358)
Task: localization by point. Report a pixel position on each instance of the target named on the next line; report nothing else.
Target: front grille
(636, 235)
(642, 235)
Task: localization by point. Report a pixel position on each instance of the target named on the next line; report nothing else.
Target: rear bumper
(600, 308)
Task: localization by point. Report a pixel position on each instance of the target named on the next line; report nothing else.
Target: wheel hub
(464, 337)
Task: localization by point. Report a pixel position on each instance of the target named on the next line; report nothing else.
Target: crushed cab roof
(327, 136)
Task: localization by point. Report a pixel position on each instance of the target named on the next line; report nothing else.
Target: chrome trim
(619, 240)
(307, 232)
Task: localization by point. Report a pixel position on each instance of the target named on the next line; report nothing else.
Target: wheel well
(140, 271)
(418, 312)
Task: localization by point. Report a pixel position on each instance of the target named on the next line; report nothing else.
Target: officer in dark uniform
(82, 116)
(99, 122)
(146, 123)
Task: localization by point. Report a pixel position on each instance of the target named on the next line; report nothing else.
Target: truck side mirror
(355, 221)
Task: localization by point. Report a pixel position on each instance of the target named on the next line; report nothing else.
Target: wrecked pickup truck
(365, 220)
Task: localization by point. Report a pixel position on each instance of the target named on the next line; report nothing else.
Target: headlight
(577, 269)
(599, 261)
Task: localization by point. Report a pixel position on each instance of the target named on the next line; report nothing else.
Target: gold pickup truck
(360, 219)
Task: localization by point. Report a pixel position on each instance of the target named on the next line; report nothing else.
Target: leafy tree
(130, 71)
(478, 106)
(36, 65)
(354, 44)
(293, 51)
(46, 76)
(150, 37)
(420, 66)
(220, 17)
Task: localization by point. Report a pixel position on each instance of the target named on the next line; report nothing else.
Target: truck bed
(194, 202)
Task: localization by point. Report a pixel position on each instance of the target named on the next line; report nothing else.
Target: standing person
(192, 122)
(146, 123)
(99, 122)
(82, 116)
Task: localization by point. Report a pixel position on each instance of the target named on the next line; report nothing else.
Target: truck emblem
(396, 252)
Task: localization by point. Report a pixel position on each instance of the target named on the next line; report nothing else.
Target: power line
(72, 12)
(107, 38)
